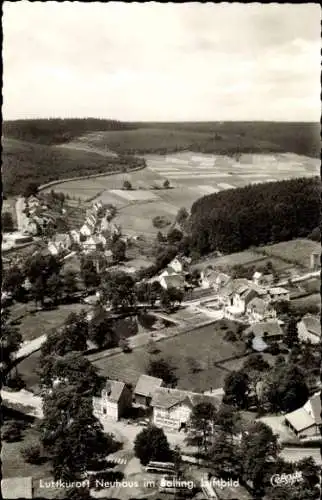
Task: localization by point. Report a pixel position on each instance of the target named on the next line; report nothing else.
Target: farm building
(279, 294)
(213, 279)
(114, 402)
(306, 421)
(172, 281)
(172, 407)
(309, 329)
(269, 331)
(145, 388)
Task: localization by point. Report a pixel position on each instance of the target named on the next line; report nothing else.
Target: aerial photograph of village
(161, 251)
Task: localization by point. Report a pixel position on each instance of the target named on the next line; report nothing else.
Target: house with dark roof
(306, 421)
(210, 278)
(173, 280)
(278, 293)
(309, 329)
(268, 331)
(114, 402)
(172, 407)
(259, 309)
(145, 388)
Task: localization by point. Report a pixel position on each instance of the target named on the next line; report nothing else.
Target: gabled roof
(315, 402)
(147, 385)
(175, 280)
(259, 345)
(168, 398)
(114, 390)
(312, 325)
(300, 419)
(232, 286)
(278, 290)
(258, 304)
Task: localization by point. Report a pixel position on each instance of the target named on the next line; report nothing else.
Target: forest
(236, 219)
(229, 138)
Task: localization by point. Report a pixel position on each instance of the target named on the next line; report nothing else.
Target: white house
(306, 421)
(93, 242)
(75, 236)
(278, 294)
(172, 407)
(87, 229)
(177, 265)
(309, 329)
(210, 278)
(114, 402)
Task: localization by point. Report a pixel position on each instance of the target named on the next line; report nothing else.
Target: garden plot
(135, 195)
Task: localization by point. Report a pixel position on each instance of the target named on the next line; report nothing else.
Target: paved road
(29, 347)
(22, 219)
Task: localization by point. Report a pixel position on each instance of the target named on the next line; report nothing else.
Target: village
(257, 306)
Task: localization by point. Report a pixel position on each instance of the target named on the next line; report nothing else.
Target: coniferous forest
(234, 220)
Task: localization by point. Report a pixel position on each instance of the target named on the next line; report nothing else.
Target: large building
(145, 388)
(306, 421)
(172, 407)
(114, 402)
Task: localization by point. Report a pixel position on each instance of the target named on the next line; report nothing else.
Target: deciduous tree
(151, 444)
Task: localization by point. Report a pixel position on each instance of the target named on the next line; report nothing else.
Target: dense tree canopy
(235, 219)
(152, 444)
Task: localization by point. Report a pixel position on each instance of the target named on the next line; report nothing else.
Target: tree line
(233, 220)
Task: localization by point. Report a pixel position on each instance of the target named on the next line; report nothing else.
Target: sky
(161, 62)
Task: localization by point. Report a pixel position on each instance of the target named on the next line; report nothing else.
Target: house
(75, 236)
(262, 279)
(306, 421)
(31, 228)
(87, 229)
(17, 487)
(94, 242)
(168, 271)
(172, 281)
(61, 243)
(177, 265)
(211, 278)
(269, 331)
(145, 388)
(278, 293)
(315, 260)
(309, 329)
(172, 407)
(109, 228)
(241, 296)
(258, 310)
(114, 402)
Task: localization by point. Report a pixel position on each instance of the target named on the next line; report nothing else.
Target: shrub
(127, 185)
(11, 431)
(32, 454)
(124, 345)
(160, 222)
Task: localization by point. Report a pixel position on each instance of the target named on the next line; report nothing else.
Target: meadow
(206, 344)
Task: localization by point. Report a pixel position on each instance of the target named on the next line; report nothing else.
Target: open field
(205, 344)
(36, 323)
(296, 251)
(13, 465)
(191, 175)
(283, 256)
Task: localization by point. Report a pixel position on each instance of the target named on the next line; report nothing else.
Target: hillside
(143, 138)
(236, 219)
(24, 162)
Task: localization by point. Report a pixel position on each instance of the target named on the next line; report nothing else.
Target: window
(104, 411)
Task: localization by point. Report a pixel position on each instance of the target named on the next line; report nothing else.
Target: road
(29, 347)
(22, 219)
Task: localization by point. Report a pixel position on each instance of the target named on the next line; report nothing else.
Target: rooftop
(265, 329)
(114, 389)
(312, 325)
(167, 398)
(300, 419)
(147, 385)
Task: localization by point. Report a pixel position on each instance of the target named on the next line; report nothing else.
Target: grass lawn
(298, 251)
(303, 305)
(207, 345)
(13, 465)
(34, 324)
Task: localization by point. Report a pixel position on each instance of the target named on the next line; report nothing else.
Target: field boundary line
(84, 177)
